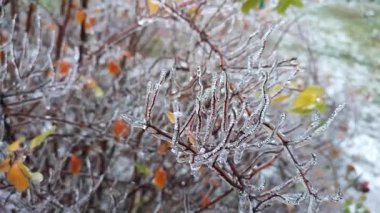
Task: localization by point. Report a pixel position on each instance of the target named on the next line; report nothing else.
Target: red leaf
(113, 67)
(75, 164)
(160, 178)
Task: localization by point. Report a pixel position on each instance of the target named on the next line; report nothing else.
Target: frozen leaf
(283, 5)
(160, 178)
(309, 100)
(63, 68)
(249, 5)
(80, 16)
(164, 147)
(75, 164)
(142, 168)
(17, 177)
(205, 201)
(90, 23)
(127, 54)
(37, 141)
(98, 91)
(15, 145)
(120, 129)
(5, 165)
(113, 67)
(171, 117)
(279, 99)
(153, 7)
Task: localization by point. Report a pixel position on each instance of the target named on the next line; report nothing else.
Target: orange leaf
(127, 54)
(17, 178)
(5, 165)
(80, 16)
(113, 67)
(160, 178)
(63, 68)
(120, 129)
(164, 147)
(90, 23)
(75, 164)
(205, 201)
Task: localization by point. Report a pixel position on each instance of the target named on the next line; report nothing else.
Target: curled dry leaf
(75, 164)
(160, 178)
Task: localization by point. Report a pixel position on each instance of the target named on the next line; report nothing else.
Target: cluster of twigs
(230, 147)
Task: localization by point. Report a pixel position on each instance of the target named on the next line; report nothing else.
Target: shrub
(94, 95)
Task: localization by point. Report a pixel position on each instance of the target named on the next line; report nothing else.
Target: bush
(94, 95)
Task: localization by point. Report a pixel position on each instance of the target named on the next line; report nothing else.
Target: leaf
(98, 91)
(5, 165)
(80, 16)
(279, 99)
(248, 5)
(153, 7)
(75, 164)
(309, 100)
(160, 178)
(283, 5)
(191, 138)
(171, 117)
(120, 129)
(205, 201)
(113, 67)
(142, 168)
(35, 177)
(37, 141)
(17, 178)
(90, 23)
(15, 145)
(164, 147)
(63, 68)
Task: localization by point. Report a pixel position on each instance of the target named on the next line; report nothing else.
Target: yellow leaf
(153, 7)
(309, 100)
(279, 99)
(35, 177)
(171, 117)
(5, 165)
(37, 141)
(17, 178)
(15, 145)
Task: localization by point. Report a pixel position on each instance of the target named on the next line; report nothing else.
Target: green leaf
(309, 100)
(283, 5)
(142, 168)
(37, 141)
(248, 5)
